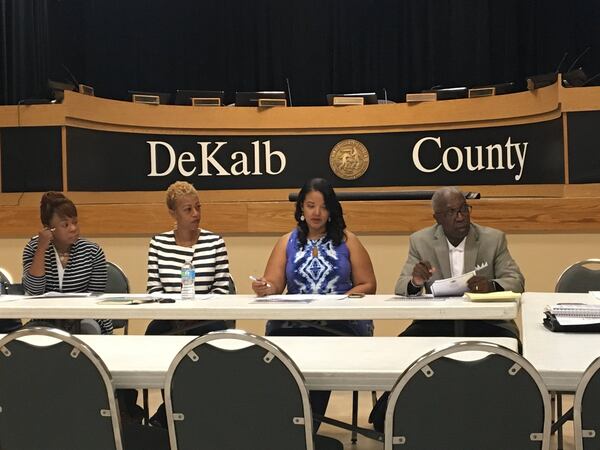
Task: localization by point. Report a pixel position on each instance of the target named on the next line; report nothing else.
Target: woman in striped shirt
(169, 251)
(58, 260)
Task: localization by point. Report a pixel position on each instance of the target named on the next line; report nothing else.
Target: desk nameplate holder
(147, 99)
(421, 97)
(348, 101)
(269, 102)
(206, 101)
(482, 92)
(86, 90)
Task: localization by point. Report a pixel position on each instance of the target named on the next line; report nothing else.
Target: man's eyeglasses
(465, 210)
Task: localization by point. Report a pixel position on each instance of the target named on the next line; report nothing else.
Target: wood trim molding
(577, 212)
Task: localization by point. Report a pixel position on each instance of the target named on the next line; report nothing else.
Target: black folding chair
(55, 394)
(586, 409)
(494, 402)
(234, 390)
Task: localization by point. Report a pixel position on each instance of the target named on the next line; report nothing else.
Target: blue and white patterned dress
(320, 267)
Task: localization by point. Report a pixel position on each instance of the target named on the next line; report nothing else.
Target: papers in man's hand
(575, 313)
(498, 296)
(456, 285)
(296, 298)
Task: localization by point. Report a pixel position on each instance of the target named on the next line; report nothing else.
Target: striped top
(85, 272)
(208, 256)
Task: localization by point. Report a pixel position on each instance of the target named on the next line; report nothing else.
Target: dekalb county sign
(113, 161)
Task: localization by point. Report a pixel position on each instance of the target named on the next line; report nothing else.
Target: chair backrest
(55, 394)
(8, 287)
(494, 402)
(578, 278)
(117, 282)
(5, 276)
(233, 390)
(586, 409)
(231, 287)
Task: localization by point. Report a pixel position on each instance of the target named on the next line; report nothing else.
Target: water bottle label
(188, 273)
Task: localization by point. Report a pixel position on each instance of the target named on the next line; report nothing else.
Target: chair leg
(559, 415)
(354, 416)
(146, 406)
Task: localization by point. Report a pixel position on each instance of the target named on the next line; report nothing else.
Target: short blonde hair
(178, 190)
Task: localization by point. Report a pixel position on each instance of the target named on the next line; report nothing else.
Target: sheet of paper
(63, 295)
(297, 298)
(456, 285)
(127, 300)
(10, 298)
(415, 297)
(135, 299)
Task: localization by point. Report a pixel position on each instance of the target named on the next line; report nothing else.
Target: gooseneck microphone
(289, 91)
(577, 59)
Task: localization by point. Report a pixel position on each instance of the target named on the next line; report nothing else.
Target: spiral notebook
(568, 314)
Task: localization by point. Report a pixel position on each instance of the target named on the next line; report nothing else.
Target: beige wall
(542, 257)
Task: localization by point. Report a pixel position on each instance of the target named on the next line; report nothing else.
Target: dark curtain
(321, 46)
(23, 49)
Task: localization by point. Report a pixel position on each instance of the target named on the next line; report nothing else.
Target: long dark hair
(336, 225)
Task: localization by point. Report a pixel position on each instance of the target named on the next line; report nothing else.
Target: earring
(329, 220)
(302, 218)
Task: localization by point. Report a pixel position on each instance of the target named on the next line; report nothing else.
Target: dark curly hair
(336, 225)
(56, 202)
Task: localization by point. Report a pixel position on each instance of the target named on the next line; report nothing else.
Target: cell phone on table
(166, 300)
(356, 295)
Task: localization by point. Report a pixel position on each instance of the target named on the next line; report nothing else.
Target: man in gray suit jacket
(454, 246)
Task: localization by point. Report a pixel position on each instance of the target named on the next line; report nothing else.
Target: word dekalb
(208, 165)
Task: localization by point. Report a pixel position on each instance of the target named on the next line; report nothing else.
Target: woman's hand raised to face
(45, 237)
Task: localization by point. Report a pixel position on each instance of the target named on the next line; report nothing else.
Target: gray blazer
(483, 244)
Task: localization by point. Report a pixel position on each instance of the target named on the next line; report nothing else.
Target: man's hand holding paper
(460, 284)
(480, 284)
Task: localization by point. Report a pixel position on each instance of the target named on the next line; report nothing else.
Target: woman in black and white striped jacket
(58, 260)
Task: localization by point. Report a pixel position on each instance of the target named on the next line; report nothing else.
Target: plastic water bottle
(188, 277)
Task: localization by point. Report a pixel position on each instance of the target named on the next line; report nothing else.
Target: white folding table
(230, 307)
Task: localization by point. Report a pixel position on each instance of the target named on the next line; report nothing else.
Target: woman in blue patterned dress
(318, 257)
